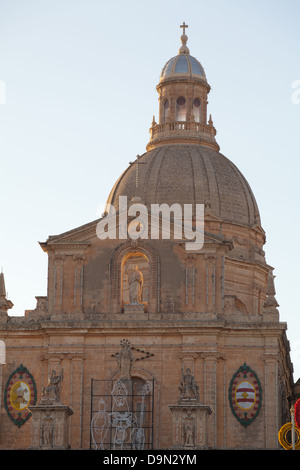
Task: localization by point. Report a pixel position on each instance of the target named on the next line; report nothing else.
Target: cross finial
(184, 49)
(183, 26)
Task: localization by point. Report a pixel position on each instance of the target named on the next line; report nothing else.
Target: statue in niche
(189, 434)
(53, 389)
(125, 359)
(188, 388)
(47, 432)
(135, 286)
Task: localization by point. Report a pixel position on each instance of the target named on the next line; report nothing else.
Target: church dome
(183, 164)
(189, 174)
(182, 65)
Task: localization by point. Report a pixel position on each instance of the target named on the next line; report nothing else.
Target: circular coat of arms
(20, 393)
(245, 395)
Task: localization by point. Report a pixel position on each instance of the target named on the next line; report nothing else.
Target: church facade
(160, 328)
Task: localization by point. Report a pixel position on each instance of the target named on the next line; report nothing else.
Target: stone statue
(53, 389)
(135, 286)
(125, 359)
(47, 433)
(188, 388)
(189, 435)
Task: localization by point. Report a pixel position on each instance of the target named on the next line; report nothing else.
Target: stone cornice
(67, 245)
(184, 326)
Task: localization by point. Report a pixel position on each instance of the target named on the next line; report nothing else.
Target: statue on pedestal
(49, 422)
(188, 388)
(51, 393)
(189, 415)
(135, 286)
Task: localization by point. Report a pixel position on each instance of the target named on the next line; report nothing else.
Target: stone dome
(183, 65)
(189, 174)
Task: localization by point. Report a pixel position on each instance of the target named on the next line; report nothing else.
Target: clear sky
(80, 78)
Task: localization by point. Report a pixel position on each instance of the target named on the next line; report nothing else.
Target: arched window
(181, 109)
(196, 109)
(166, 110)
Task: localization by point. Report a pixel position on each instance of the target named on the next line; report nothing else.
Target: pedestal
(190, 425)
(134, 308)
(49, 426)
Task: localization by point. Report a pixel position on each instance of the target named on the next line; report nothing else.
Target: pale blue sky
(80, 79)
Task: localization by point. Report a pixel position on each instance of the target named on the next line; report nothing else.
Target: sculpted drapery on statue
(135, 274)
(135, 286)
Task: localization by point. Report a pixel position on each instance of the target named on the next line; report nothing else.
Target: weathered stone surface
(208, 310)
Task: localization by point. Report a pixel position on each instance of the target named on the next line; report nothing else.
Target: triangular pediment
(78, 236)
(84, 234)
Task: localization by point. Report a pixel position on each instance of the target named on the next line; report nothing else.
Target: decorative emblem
(20, 393)
(245, 395)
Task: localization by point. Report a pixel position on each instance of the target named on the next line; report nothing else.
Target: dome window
(181, 65)
(196, 109)
(196, 66)
(166, 110)
(181, 109)
(167, 68)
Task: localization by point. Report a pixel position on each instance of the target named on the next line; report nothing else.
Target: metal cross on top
(183, 26)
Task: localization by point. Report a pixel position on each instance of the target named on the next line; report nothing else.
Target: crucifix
(183, 26)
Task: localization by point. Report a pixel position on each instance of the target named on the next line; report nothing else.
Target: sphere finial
(184, 49)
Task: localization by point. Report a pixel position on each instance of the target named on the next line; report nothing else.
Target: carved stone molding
(188, 355)
(49, 427)
(212, 355)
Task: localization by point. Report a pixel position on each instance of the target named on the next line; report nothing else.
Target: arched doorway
(122, 414)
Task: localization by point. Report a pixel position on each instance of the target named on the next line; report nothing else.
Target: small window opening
(196, 109)
(166, 110)
(181, 109)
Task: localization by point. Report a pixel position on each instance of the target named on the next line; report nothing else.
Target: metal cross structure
(183, 26)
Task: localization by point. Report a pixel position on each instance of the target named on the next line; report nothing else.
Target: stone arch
(134, 250)
(137, 373)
